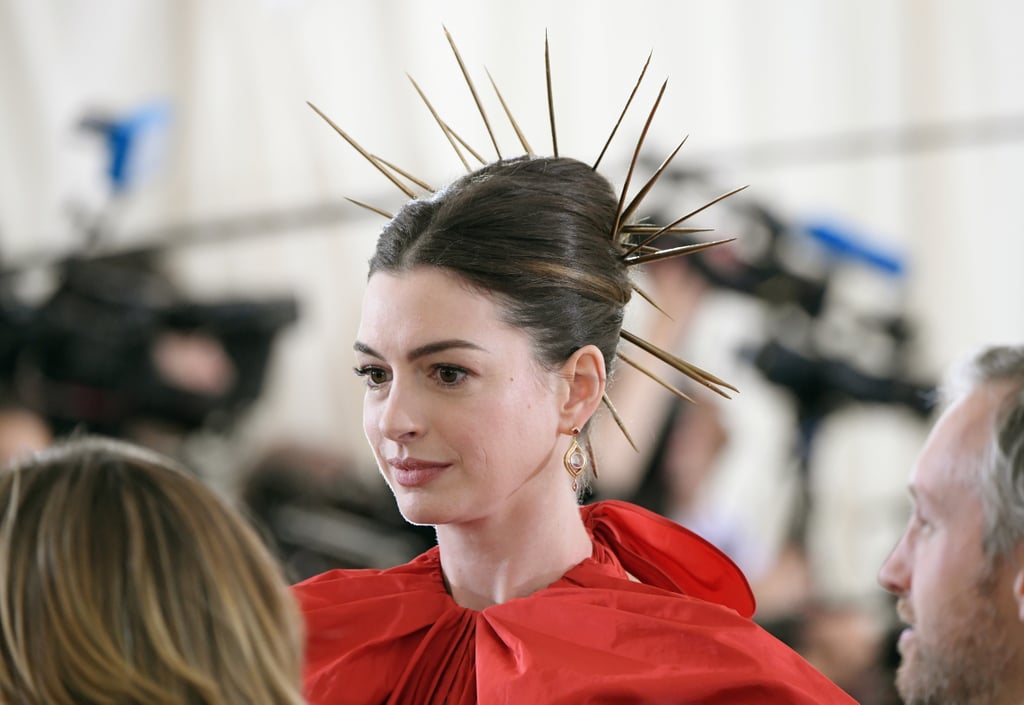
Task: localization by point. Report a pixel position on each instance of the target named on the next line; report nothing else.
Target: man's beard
(966, 665)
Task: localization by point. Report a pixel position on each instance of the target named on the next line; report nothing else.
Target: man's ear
(585, 375)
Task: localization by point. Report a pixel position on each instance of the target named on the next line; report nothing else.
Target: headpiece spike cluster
(629, 210)
(634, 239)
(661, 231)
(636, 155)
(675, 251)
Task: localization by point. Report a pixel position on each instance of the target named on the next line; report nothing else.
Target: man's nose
(894, 575)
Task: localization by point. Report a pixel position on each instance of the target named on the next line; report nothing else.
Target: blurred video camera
(824, 345)
(114, 343)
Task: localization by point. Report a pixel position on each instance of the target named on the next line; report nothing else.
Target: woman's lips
(413, 472)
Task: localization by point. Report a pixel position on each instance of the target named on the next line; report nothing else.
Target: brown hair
(535, 232)
(126, 580)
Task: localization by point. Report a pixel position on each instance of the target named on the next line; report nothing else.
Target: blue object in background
(135, 143)
(842, 243)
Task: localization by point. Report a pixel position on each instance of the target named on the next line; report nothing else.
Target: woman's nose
(400, 418)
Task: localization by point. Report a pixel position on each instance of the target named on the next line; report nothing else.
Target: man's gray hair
(1001, 478)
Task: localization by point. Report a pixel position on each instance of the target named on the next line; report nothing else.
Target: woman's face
(462, 418)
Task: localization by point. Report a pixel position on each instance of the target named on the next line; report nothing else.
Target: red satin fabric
(681, 635)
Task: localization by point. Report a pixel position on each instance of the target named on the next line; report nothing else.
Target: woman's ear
(585, 375)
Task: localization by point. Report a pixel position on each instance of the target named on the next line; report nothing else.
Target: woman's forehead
(430, 286)
(413, 307)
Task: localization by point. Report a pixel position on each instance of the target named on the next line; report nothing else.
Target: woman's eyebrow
(441, 346)
(423, 350)
(366, 350)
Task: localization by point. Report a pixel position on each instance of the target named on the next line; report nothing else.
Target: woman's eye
(375, 376)
(449, 375)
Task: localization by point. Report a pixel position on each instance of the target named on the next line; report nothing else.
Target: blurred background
(178, 263)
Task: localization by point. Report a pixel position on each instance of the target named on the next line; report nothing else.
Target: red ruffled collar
(661, 553)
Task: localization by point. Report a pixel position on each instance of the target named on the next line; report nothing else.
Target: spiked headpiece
(636, 241)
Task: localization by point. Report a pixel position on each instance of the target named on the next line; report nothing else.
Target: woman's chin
(422, 513)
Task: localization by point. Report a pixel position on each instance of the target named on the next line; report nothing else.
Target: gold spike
(632, 164)
(444, 128)
(652, 236)
(403, 172)
(456, 135)
(714, 201)
(636, 365)
(674, 252)
(692, 371)
(647, 229)
(631, 208)
(658, 231)
(646, 297)
(367, 206)
(551, 98)
(624, 109)
(679, 220)
(405, 189)
(618, 420)
(709, 379)
(472, 89)
(515, 125)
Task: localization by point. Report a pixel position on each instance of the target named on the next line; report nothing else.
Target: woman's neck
(515, 554)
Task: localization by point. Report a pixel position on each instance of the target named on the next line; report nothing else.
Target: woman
(125, 580)
(491, 316)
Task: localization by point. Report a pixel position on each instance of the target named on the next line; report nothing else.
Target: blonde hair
(126, 580)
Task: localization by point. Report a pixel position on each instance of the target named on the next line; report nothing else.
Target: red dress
(682, 634)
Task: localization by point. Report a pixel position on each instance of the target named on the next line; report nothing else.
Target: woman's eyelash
(375, 376)
(443, 371)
